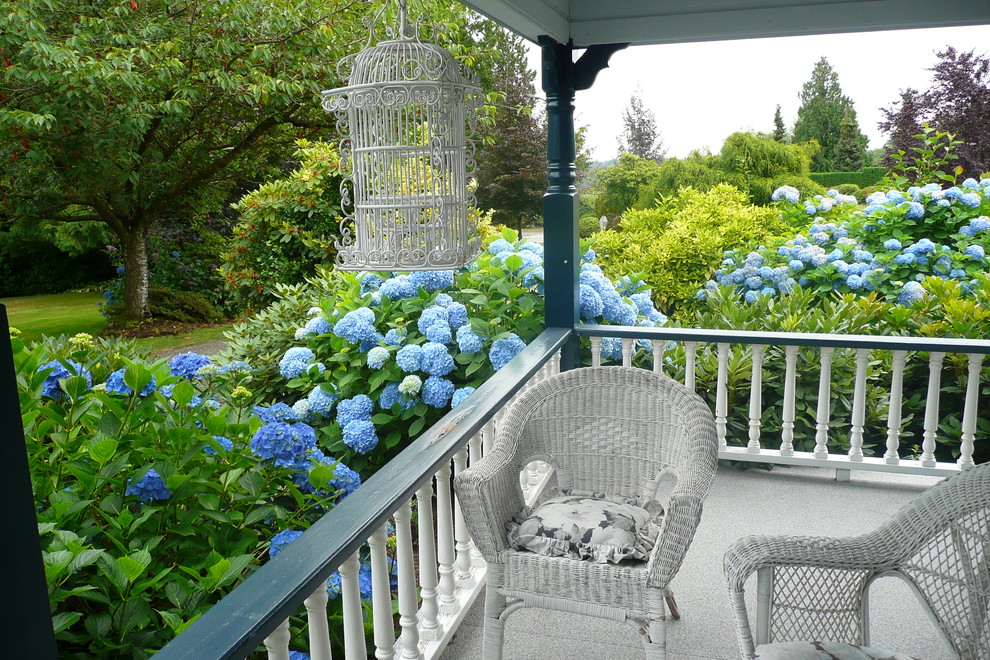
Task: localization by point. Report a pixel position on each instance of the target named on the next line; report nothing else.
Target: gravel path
(207, 348)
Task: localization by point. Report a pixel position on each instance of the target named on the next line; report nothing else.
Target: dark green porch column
(561, 78)
(26, 626)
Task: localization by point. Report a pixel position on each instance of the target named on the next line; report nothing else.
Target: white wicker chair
(614, 430)
(811, 588)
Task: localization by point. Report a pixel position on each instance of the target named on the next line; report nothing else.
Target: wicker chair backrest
(949, 559)
(612, 429)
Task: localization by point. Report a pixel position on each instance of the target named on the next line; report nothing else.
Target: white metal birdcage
(406, 155)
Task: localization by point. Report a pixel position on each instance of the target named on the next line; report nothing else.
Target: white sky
(703, 92)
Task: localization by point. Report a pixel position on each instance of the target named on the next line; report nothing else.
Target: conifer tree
(640, 136)
(779, 130)
(820, 116)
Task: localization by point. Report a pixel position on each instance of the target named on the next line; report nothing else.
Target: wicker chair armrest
(857, 553)
(680, 521)
(490, 495)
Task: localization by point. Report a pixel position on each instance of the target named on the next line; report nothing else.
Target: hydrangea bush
(153, 505)
(392, 353)
(892, 246)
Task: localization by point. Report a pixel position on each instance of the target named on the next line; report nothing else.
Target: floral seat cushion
(591, 527)
(825, 651)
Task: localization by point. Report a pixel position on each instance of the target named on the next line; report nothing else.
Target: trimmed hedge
(868, 176)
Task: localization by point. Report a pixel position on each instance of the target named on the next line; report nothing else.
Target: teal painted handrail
(240, 622)
(882, 342)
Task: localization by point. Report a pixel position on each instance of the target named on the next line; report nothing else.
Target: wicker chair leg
(655, 642)
(675, 613)
(494, 619)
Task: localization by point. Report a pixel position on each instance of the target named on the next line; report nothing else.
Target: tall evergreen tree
(779, 130)
(851, 149)
(640, 136)
(820, 115)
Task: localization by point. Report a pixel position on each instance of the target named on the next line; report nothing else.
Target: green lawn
(55, 314)
(70, 313)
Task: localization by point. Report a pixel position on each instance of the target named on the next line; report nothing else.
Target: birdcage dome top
(401, 61)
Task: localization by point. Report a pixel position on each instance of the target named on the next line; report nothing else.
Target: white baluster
(756, 400)
(627, 351)
(462, 541)
(859, 406)
(690, 357)
(277, 644)
(824, 403)
(381, 596)
(894, 412)
(409, 637)
(556, 363)
(596, 351)
(658, 346)
(319, 626)
(931, 408)
(722, 393)
(350, 592)
(429, 627)
(787, 417)
(969, 412)
(445, 541)
(487, 437)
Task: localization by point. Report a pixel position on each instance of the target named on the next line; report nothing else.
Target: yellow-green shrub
(678, 244)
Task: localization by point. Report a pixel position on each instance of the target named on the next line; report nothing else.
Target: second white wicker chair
(817, 588)
(613, 430)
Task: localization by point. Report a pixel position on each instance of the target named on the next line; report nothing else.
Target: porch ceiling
(589, 22)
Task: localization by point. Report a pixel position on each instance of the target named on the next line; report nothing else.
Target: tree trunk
(134, 243)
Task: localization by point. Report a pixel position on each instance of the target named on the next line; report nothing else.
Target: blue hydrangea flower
(357, 326)
(432, 280)
(499, 246)
(318, 326)
(611, 348)
(795, 264)
(115, 385)
(591, 303)
(906, 259)
(356, 408)
(226, 443)
(437, 391)
(457, 315)
(149, 488)
(411, 385)
(892, 244)
(443, 299)
(970, 184)
(409, 357)
(460, 394)
(321, 401)
(370, 282)
(391, 396)
(911, 292)
(643, 302)
(187, 365)
(398, 287)
(395, 337)
(302, 410)
(285, 443)
(360, 435)
(788, 193)
(975, 252)
(377, 357)
(278, 412)
(854, 282)
(589, 256)
(754, 282)
(751, 296)
(467, 341)
(345, 479)
(504, 349)
(282, 539)
(980, 224)
(972, 200)
(435, 360)
(534, 277)
(295, 361)
(236, 367)
(535, 248)
(915, 211)
(957, 273)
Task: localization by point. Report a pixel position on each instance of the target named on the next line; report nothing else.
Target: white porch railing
(438, 578)
(776, 445)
